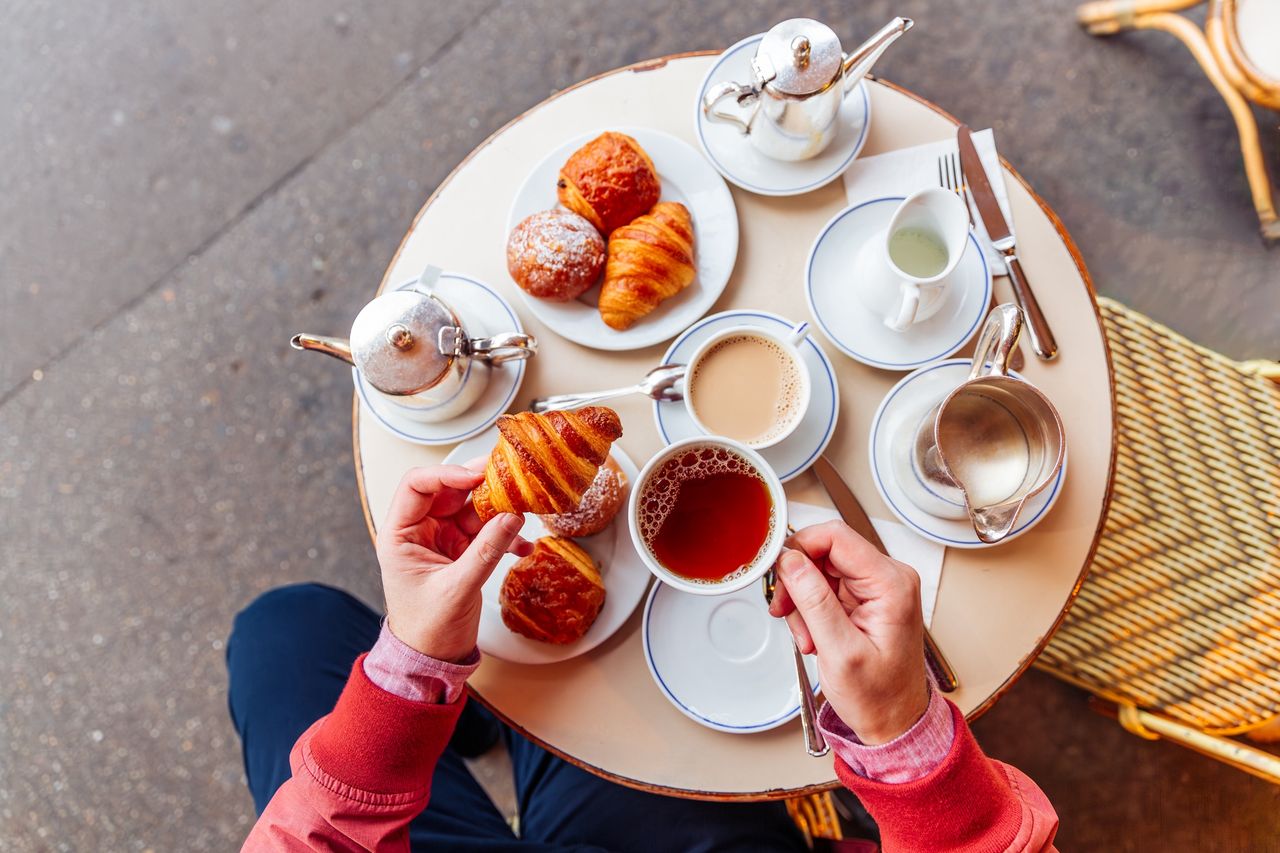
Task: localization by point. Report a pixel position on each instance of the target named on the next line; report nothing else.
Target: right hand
(859, 612)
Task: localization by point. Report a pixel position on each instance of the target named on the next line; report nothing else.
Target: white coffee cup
(769, 550)
(901, 275)
(788, 345)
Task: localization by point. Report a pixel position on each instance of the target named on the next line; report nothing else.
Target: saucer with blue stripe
(792, 456)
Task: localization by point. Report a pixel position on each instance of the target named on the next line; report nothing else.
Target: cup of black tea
(708, 515)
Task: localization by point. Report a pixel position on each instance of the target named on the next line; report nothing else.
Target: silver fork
(951, 177)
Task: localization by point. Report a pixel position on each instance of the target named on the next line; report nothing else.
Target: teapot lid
(395, 340)
(799, 57)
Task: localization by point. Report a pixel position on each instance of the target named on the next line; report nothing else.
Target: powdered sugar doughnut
(600, 503)
(555, 255)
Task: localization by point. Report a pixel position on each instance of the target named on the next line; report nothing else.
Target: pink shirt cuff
(911, 755)
(406, 672)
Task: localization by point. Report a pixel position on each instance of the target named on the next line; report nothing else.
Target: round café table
(996, 608)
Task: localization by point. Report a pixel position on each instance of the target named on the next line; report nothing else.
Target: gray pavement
(182, 186)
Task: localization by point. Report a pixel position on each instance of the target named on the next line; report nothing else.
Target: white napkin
(907, 170)
(921, 554)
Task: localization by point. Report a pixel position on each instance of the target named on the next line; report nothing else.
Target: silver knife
(856, 517)
(1002, 240)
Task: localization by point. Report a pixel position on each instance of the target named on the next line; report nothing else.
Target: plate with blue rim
(893, 429)
(722, 660)
(830, 290)
(733, 155)
(485, 314)
(792, 456)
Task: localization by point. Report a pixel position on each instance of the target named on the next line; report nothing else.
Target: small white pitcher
(901, 275)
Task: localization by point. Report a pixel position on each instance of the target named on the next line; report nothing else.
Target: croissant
(609, 181)
(554, 594)
(649, 260)
(543, 463)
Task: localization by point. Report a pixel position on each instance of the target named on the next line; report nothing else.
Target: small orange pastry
(609, 181)
(649, 260)
(553, 595)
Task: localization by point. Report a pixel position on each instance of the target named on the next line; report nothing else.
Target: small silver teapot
(413, 350)
(800, 77)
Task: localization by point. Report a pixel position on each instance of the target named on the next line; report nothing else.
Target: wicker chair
(1237, 50)
(1177, 626)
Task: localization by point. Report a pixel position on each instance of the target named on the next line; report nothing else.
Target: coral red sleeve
(968, 802)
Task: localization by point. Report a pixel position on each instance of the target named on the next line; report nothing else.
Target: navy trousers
(288, 658)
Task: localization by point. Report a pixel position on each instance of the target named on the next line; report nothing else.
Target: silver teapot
(413, 350)
(800, 76)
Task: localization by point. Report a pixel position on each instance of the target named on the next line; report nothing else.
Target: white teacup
(902, 275)
(655, 492)
(726, 385)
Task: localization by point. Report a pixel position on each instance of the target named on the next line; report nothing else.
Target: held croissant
(543, 463)
(649, 260)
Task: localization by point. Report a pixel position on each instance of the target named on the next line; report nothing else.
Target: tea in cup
(901, 276)
(749, 384)
(708, 516)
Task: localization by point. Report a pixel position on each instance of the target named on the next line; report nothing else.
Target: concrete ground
(182, 186)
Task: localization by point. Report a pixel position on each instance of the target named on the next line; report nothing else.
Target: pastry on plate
(600, 503)
(553, 595)
(543, 462)
(649, 260)
(609, 181)
(555, 255)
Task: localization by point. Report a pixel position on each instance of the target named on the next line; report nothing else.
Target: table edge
(1023, 665)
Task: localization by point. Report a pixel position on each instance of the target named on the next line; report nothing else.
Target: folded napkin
(917, 552)
(902, 172)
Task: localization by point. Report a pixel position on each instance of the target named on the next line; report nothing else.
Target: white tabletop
(996, 608)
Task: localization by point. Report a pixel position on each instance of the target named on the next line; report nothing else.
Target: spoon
(814, 742)
(658, 384)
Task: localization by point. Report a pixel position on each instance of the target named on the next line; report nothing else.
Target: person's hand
(859, 612)
(435, 556)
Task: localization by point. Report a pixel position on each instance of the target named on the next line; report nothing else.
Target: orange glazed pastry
(553, 595)
(649, 260)
(609, 181)
(599, 504)
(543, 463)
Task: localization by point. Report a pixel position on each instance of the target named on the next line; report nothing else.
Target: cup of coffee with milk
(749, 384)
(901, 276)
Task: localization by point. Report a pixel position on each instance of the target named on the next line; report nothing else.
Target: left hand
(435, 556)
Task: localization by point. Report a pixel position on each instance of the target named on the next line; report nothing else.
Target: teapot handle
(997, 342)
(500, 349)
(742, 95)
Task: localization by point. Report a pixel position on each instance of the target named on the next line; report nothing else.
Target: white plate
(625, 576)
(740, 162)
(892, 429)
(722, 660)
(863, 336)
(487, 314)
(687, 178)
(794, 454)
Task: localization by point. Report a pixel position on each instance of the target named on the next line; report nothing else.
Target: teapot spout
(993, 523)
(336, 347)
(860, 60)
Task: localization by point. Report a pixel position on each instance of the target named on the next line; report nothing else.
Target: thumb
(814, 598)
(486, 549)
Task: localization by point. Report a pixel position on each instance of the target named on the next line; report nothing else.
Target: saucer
(794, 454)
(722, 660)
(897, 420)
(739, 161)
(686, 178)
(486, 314)
(625, 576)
(863, 336)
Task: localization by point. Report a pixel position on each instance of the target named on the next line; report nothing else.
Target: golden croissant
(543, 463)
(648, 261)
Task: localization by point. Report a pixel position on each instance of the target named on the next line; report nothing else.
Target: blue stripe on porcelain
(515, 386)
(706, 149)
(850, 351)
(715, 724)
(822, 357)
(884, 492)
